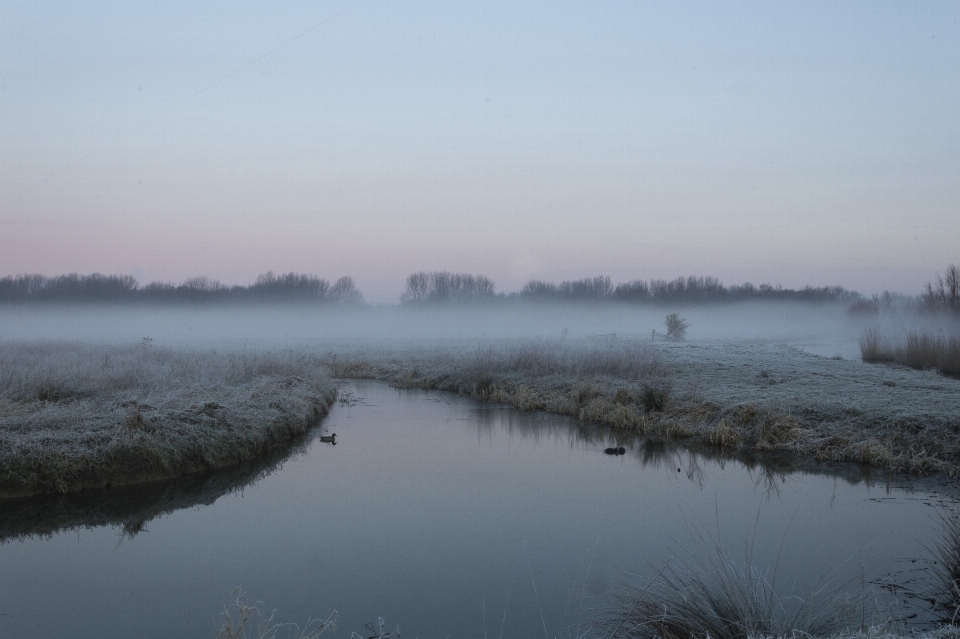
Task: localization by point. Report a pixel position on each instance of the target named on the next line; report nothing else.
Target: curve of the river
(445, 517)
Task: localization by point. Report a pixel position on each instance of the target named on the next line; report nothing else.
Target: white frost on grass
(827, 391)
(74, 415)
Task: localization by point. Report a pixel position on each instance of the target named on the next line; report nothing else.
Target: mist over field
(290, 326)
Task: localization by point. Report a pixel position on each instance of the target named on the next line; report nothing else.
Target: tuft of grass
(623, 397)
(714, 596)
(240, 620)
(584, 392)
(654, 397)
(946, 569)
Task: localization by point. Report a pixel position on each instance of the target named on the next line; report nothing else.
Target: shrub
(676, 327)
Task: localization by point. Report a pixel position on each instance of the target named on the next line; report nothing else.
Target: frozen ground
(825, 391)
(73, 416)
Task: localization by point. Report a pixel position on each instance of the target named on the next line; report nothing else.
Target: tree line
(435, 287)
(120, 288)
(442, 286)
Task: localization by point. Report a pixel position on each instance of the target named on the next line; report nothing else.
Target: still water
(443, 516)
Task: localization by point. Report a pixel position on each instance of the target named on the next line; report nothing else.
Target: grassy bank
(74, 416)
(916, 349)
(741, 397)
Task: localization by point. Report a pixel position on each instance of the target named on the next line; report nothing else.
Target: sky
(786, 142)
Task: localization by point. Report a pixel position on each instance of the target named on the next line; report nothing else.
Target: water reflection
(687, 457)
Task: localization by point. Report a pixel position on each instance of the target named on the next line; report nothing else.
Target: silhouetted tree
(591, 288)
(443, 286)
(945, 294)
(345, 292)
(292, 286)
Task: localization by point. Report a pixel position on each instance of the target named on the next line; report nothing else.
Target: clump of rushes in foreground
(244, 621)
(74, 416)
(917, 349)
(946, 569)
(715, 596)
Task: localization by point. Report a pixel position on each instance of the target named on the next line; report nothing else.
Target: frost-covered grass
(916, 349)
(946, 569)
(738, 396)
(73, 416)
(723, 599)
(242, 620)
(704, 592)
(886, 632)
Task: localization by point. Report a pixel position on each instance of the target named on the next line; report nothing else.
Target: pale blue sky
(790, 142)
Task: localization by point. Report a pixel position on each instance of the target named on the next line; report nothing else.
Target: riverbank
(74, 416)
(741, 396)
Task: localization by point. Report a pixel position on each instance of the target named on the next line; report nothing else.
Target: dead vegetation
(73, 416)
(916, 349)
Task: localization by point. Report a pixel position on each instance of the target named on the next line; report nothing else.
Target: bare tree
(945, 294)
(418, 284)
(443, 286)
(344, 291)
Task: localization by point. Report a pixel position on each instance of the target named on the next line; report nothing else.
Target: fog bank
(825, 326)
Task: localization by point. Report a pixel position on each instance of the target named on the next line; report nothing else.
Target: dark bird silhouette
(615, 451)
(332, 439)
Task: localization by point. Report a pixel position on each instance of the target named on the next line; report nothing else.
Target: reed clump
(715, 596)
(946, 568)
(875, 348)
(242, 620)
(74, 416)
(916, 349)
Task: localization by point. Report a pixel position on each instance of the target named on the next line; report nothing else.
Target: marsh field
(509, 470)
